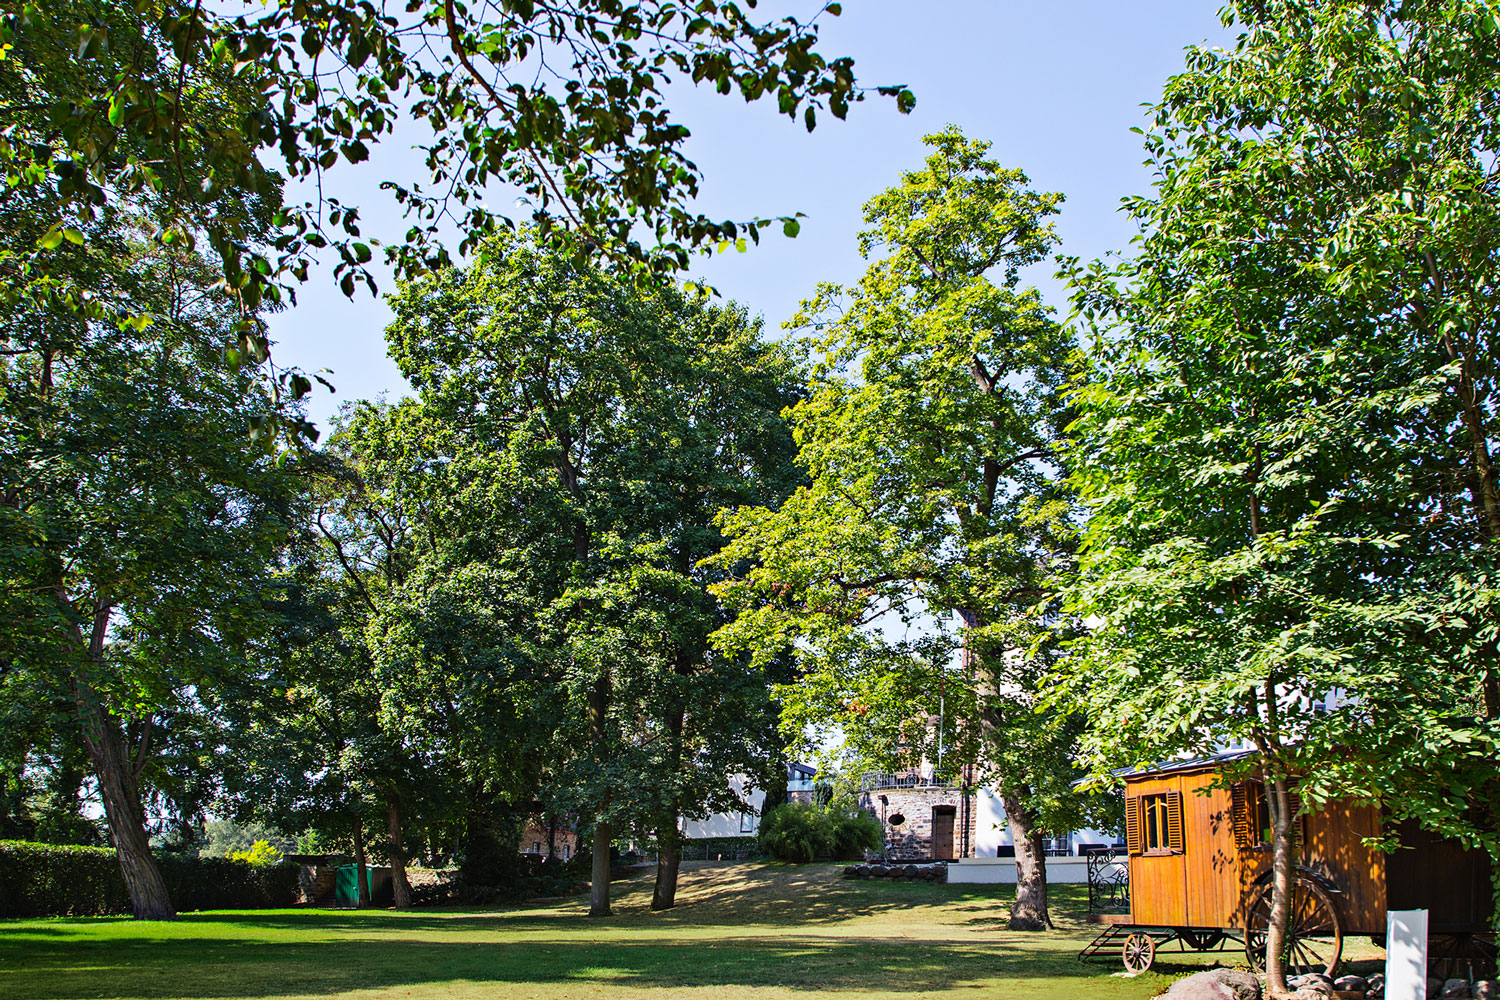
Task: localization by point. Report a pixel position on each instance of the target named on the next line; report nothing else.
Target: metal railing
(1109, 880)
(873, 781)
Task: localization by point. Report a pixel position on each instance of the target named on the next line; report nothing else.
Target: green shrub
(800, 832)
(796, 831)
(45, 880)
(852, 832)
(262, 852)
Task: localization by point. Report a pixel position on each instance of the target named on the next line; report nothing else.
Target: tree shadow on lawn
(152, 967)
(316, 952)
(771, 895)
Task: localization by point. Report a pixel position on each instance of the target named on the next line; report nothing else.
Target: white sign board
(1406, 955)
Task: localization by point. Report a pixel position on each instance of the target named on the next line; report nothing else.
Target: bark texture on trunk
(400, 884)
(668, 864)
(361, 866)
(1029, 911)
(1283, 876)
(122, 807)
(668, 837)
(119, 775)
(603, 835)
(599, 886)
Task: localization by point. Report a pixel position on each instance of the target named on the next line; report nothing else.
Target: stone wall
(912, 840)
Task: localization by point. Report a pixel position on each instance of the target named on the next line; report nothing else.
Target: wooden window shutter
(1133, 825)
(1174, 822)
(1240, 818)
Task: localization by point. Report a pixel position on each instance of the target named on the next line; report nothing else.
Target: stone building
(925, 817)
(549, 837)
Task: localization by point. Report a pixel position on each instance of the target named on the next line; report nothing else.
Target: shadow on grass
(707, 941)
(208, 966)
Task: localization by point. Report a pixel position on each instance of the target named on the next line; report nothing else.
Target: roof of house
(1169, 766)
(1193, 763)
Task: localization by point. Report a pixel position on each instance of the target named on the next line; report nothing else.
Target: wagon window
(1154, 812)
(1252, 815)
(1161, 823)
(1260, 812)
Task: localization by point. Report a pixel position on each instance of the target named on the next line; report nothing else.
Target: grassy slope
(767, 932)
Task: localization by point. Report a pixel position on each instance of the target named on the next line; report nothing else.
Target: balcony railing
(873, 781)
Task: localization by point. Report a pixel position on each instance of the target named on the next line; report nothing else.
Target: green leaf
(791, 227)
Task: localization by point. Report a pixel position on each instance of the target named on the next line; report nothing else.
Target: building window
(747, 822)
(1058, 847)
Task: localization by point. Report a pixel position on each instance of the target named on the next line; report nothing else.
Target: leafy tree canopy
(193, 115)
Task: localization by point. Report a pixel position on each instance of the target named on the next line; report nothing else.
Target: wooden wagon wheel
(1315, 936)
(1459, 955)
(1139, 952)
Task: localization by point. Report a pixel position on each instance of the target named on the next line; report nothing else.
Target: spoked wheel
(1315, 938)
(1457, 956)
(1139, 952)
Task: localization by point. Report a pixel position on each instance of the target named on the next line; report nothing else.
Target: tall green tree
(1288, 427)
(930, 435)
(396, 689)
(140, 519)
(605, 422)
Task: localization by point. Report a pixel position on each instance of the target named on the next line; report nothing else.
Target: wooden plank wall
(1436, 874)
(1208, 884)
(1213, 867)
(1332, 845)
(1158, 883)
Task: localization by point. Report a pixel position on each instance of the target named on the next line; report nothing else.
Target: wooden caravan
(1198, 859)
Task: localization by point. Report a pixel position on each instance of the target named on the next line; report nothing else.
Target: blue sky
(1055, 86)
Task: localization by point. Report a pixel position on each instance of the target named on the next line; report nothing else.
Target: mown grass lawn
(767, 932)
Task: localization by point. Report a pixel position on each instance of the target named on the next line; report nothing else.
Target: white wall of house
(991, 832)
(732, 824)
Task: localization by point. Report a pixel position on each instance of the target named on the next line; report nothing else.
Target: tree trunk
(400, 885)
(122, 807)
(361, 866)
(668, 863)
(1283, 877)
(1029, 911)
(668, 837)
(104, 741)
(599, 887)
(603, 835)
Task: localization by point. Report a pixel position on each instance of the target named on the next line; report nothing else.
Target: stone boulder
(1216, 984)
(1486, 989)
(1351, 984)
(1314, 984)
(1455, 989)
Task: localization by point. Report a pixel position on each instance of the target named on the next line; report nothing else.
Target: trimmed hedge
(51, 880)
(711, 848)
